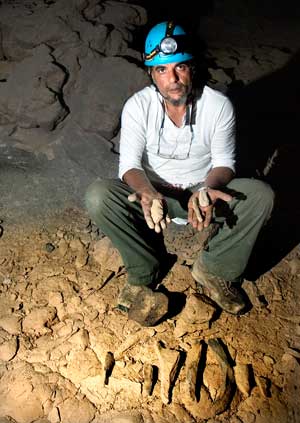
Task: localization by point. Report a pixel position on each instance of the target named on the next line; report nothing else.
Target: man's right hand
(154, 208)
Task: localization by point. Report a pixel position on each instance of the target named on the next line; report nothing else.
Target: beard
(186, 90)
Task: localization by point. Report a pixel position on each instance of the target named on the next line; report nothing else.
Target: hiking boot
(142, 304)
(226, 294)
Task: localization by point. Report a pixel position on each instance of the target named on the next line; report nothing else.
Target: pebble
(49, 247)
(268, 360)
(8, 349)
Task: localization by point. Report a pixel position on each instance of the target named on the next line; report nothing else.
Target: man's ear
(149, 71)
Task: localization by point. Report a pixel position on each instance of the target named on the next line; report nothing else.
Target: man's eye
(182, 67)
(160, 70)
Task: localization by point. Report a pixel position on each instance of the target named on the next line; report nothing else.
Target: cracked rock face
(65, 74)
(60, 66)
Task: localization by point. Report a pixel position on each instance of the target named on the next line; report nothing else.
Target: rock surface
(67, 353)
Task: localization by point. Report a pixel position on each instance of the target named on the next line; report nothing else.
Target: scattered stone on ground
(67, 353)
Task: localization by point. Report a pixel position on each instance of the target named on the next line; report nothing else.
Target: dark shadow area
(268, 148)
(200, 370)
(187, 15)
(177, 302)
(155, 378)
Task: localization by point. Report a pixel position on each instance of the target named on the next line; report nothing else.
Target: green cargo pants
(143, 250)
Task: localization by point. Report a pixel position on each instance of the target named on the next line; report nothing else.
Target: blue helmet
(166, 43)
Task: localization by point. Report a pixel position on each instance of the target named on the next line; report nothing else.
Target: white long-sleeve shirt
(198, 146)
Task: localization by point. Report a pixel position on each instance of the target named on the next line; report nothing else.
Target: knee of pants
(262, 194)
(95, 196)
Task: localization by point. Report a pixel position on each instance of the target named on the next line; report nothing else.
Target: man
(177, 162)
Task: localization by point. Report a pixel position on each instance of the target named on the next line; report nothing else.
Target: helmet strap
(170, 29)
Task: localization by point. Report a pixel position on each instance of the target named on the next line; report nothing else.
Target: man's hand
(201, 204)
(154, 208)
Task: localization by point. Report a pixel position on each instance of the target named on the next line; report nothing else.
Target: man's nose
(173, 76)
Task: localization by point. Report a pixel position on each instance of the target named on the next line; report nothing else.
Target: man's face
(173, 81)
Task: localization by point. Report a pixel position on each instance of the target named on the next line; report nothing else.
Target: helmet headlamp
(169, 45)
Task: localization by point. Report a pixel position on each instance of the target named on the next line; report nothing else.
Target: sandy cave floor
(67, 355)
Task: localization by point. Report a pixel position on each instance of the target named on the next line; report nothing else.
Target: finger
(191, 215)
(197, 209)
(157, 211)
(149, 222)
(194, 221)
(157, 228)
(208, 216)
(168, 219)
(163, 224)
(132, 197)
(147, 215)
(199, 226)
(223, 196)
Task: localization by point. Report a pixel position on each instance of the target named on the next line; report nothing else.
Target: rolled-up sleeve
(223, 139)
(133, 136)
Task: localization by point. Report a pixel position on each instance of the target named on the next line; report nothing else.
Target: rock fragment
(74, 410)
(39, 320)
(264, 385)
(242, 378)
(192, 363)
(168, 366)
(140, 336)
(196, 315)
(106, 255)
(148, 379)
(11, 324)
(8, 349)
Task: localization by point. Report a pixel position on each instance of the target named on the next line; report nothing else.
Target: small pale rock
(148, 379)
(63, 329)
(192, 364)
(8, 349)
(106, 255)
(80, 339)
(53, 416)
(55, 298)
(196, 311)
(133, 339)
(63, 247)
(60, 233)
(76, 244)
(81, 365)
(127, 418)
(11, 324)
(242, 378)
(180, 414)
(37, 320)
(81, 259)
(268, 360)
(72, 410)
(263, 385)
(168, 364)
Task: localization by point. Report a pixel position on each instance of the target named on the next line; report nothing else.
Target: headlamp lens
(168, 45)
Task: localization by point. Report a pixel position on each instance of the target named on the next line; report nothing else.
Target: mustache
(176, 85)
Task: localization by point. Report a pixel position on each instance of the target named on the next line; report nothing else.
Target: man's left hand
(199, 213)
